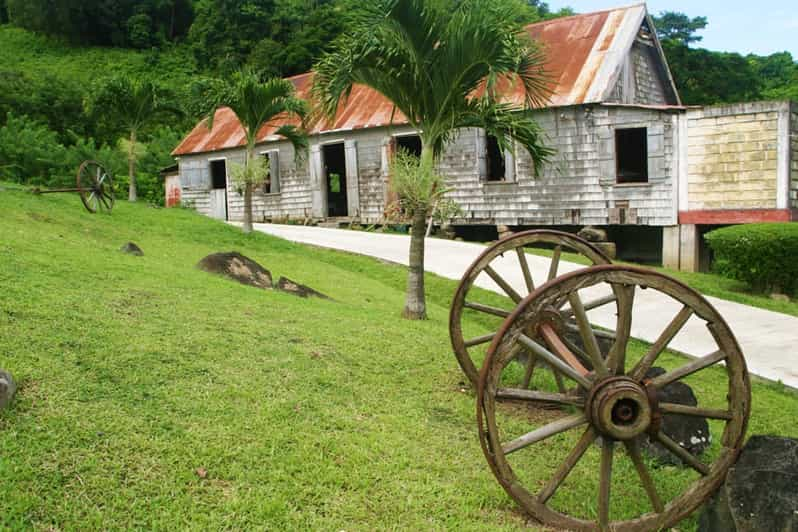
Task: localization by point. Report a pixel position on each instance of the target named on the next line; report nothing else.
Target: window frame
(645, 180)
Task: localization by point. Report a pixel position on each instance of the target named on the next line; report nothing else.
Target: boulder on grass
(237, 267)
(760, 490)
(131, 249)
(7, 388)
(690, 432)
(593, 234)
(287, 285)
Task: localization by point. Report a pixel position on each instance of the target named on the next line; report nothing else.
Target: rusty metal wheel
(561, 465)
(513, 275)
(95, 186)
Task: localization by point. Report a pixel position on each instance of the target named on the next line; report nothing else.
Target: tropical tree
(259, 104)
(441, 64)
(130, 105)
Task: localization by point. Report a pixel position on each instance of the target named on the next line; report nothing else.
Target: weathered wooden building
(630, 156)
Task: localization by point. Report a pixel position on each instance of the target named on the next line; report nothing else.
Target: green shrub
(763, 255)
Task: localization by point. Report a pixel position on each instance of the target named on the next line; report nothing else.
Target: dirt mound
(237, 267)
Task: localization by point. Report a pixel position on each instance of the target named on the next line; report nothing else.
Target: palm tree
(257, 104)
(131, 105)
(440, 63)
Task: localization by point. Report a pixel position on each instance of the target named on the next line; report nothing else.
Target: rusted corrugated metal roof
(583, 58)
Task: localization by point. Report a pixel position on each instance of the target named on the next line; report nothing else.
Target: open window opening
(496, 165)
(271, 164)
(410, 144)
(631, 152)
(335, 171)
(218, 174)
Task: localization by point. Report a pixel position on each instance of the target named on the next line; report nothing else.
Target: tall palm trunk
(131, 167)
(247, 228)
(415, 299)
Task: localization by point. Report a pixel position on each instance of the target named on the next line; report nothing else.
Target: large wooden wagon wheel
(578, 485)
(95, 186)
(466, 349)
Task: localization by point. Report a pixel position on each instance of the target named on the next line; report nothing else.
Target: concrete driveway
(769, 339)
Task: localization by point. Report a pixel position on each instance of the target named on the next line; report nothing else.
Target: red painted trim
(737, 216)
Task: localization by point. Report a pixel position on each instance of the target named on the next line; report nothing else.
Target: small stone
(608, 248)
(593, 234)
(7, 388)
(780, 297)
(131, 249)
(690, 432)
(759, 492)
(287, 285)
(237, 267)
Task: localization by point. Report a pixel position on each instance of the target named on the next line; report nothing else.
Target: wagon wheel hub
(619, 408)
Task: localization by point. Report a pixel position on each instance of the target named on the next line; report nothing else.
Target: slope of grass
(154, 395)
(26, 51)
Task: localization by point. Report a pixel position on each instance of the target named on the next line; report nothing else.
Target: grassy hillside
(28, 52)
(136, 372)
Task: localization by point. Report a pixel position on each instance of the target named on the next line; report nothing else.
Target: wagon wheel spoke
(605, 482)
(554, 361)
(499, 280)
(535, 396)
(561, 349)
(683, 454)
(555, 263)
(590, 305)
(530, 283)
(531, 361)
(673, 328)
(616, 360)
(575, 349)
(479, 340)
(487, 309)
(588, 337)
(565, 468)
(688, 369)
(598, 333)
(105, 201)
(544, 432)
(695, 411)
(633, 450)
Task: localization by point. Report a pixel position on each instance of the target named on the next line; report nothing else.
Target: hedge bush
(763, 255)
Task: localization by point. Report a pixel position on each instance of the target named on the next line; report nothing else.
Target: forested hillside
(55, 57)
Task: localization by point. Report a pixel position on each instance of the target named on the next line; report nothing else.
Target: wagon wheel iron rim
(95, 187)
(512, 246)
(616, 408)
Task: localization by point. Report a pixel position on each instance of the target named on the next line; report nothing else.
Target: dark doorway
(218, 174)
(496, 165)
(335, 171)
(410, 144)
(631, 149)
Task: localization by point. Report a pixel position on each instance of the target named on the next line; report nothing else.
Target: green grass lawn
(136, 372)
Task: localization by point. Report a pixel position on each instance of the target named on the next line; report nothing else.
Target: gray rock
(759, 492)
(593, 234)
(690, 432)
(131, 249)
(237, 267)
(287, 285)
(7, 388)
(608, 248)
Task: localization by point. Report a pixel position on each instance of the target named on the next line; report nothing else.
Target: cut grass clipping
(154, 395)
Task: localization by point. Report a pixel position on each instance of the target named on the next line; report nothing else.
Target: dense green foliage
(762, 255)
(707, 77)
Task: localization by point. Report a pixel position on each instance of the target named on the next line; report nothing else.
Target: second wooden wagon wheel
(578, 467)
(95, 186)
(466, 348)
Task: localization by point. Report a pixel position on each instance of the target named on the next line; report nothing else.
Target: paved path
(768, 339)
